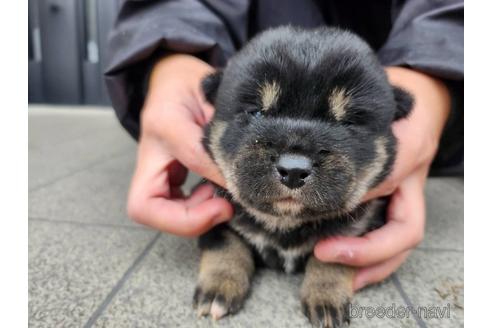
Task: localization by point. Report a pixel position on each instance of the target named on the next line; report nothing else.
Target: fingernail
(336, 255)
(344, 255)
(221, 218)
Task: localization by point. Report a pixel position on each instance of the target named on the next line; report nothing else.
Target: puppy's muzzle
(293, 170)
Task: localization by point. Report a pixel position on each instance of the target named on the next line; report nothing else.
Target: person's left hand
(380, 252)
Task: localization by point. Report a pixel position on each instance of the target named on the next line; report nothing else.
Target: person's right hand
(172, 119)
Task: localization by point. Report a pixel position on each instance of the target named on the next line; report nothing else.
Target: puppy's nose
(293, 170)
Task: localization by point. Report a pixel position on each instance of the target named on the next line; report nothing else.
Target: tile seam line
(406, 299)
(74, 172)
(89, 224)
(105, 303)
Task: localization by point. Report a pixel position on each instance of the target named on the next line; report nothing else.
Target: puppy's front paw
(326, 293)
(325, 310)
(219, 296)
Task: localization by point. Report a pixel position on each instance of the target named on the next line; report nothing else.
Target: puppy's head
(302, 127)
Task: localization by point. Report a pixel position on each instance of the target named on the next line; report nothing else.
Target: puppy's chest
(288, 249)
(275, 252)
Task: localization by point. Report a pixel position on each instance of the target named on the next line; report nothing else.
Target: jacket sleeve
(428, 36)
(145, 30)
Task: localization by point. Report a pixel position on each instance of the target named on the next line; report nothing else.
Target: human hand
(380, 252)
(172, 119)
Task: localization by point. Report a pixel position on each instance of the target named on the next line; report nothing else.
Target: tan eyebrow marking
(338, 100)
(269, 93)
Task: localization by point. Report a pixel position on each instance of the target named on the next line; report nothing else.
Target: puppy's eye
(253, 110)
(324, 152)
(255, 113)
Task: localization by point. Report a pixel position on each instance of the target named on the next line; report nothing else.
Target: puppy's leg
(326, 292)
(226, 269)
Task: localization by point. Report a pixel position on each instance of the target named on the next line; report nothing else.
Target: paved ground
(89, 265)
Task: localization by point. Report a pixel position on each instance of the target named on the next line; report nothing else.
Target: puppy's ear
(210, 85)
(404, 103)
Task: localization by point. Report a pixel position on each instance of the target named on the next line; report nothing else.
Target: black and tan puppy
(302, 130)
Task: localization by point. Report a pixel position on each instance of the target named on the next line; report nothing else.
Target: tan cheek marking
(338, 100)
(217, 131)
(269, 93)
(370, 173)
(365, 219)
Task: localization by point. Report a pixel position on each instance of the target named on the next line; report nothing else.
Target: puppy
(302, 129)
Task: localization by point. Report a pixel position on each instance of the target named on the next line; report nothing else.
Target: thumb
(188, 149)
(179, 219)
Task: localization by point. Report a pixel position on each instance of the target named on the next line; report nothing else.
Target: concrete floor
(89, 265)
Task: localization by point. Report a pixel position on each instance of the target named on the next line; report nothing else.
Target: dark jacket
(426, 35)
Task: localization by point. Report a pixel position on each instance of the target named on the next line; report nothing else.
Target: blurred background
(67, 50)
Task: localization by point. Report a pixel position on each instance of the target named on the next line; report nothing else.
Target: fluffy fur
(302, 130)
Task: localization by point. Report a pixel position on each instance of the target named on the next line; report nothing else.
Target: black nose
(293, 170)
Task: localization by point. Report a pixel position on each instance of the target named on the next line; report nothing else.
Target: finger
(149, 203)
(385, 188)
(152, 176)
(391, 183)
(179, 219)
(208, 111)
(189, 150)
(404, 230)
(200, 194)
(378, 272)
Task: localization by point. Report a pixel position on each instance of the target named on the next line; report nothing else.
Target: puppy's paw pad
(326, 313)
(217, 302)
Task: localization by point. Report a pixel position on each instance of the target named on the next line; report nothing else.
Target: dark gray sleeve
(147, 29)
(428, 36)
